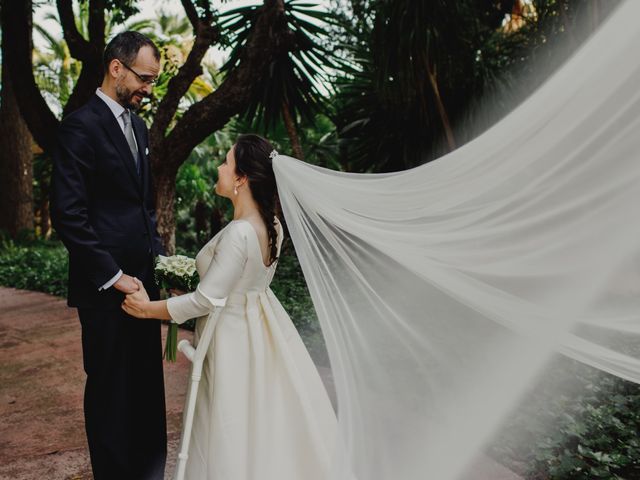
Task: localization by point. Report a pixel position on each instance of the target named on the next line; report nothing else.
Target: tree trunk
(45, 217)
(441, 110)
(200, 220)
(17, 23)
(45, 220)
(16, 163)
(165, 188)
(169, 149)
(292, 132)
(90, 78)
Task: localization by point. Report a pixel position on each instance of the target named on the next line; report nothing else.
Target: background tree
(414, 70)
(424, 78)
(411, 83)
(292, 88)
(172, 137)
(16, 180)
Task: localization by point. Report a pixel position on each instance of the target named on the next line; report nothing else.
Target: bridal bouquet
(175, 272)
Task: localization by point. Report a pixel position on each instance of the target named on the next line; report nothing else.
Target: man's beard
(125, 95)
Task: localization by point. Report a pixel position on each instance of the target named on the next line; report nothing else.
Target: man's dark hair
(125, 47)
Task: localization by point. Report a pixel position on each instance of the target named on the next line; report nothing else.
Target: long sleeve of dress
(227, 264)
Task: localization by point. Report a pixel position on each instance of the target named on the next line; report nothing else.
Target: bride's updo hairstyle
(253, 159)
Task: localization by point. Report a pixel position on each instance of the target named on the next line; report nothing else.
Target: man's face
(130, 88)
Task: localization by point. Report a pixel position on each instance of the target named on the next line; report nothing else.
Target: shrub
(34, 265)
(577, 424)
(42, 266)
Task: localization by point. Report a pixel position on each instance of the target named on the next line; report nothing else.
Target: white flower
(179, 265)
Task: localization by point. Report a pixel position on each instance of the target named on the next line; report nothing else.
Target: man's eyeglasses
(148, 79)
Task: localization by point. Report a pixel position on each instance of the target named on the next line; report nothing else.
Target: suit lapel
(116, 135)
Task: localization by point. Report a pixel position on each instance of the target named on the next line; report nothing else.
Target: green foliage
(174, 37)
(55, 71)
(577, 424)
(290, 288)
(193, 184)
(42, 266)
(294, 80)
(169, 69)
(199, 212)
(34, 265)
(386, 109)
(119, 10)
(318, 139)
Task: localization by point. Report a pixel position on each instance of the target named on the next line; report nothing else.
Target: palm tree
(414, 69)
(291, 88)
(411, 73)
(422, 71)
(56, 70)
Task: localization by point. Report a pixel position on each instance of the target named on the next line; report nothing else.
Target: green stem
(171, 345)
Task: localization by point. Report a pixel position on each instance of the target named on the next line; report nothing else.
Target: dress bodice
(255, 274)
(230, 265)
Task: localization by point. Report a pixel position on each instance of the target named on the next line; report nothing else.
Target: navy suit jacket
(102, 210)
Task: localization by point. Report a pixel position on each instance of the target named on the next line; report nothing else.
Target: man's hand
(126, 284)
(136, 304)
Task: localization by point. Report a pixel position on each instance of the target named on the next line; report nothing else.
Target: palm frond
(296, 79)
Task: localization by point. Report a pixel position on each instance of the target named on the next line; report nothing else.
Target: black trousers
(124, 400)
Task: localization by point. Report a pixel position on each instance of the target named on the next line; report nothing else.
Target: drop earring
(235, 191)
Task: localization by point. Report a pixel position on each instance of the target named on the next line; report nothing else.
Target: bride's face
(227, 177)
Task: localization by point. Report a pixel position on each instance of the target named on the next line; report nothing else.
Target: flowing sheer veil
(442, 291)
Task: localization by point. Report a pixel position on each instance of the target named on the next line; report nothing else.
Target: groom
(102, 207)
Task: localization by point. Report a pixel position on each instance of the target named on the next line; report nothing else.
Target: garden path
(41, 389)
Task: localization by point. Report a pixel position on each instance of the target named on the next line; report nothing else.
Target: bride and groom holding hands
(261, 410)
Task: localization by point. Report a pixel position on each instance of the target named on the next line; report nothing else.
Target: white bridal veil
(443, 290)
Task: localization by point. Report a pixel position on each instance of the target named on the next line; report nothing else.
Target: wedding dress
(262, 412)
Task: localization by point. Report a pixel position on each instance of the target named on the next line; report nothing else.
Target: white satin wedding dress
(262, 411)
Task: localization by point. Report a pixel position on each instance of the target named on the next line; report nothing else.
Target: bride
(261, 411)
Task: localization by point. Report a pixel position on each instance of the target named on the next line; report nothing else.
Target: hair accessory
(274, 153)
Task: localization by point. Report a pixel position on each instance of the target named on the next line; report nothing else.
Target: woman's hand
(137, 303)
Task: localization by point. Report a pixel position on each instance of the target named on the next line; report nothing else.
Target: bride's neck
(244, 206)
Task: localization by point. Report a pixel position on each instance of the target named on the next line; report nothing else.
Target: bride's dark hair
(252, 155)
